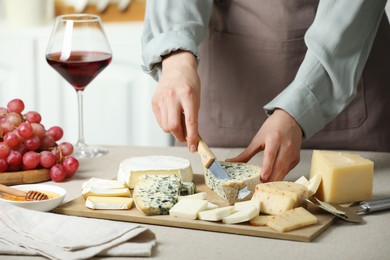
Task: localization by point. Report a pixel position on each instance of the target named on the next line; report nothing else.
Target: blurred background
(117, 108)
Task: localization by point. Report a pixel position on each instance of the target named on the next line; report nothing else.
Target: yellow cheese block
(346, 177)
(292, 219)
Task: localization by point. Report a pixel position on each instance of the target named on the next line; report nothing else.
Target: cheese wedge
(188, 208)
(346, 177)
(215, 214)
(261, 220)
(274, 203)
(200, 196)
(131, 169)
(243, 215)
(242, 175)
(292, 219)
(92, 191)
(295, 191)
(103, 184)
(94, 202)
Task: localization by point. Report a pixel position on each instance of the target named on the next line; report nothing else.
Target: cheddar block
(241, 175)
(92, 191)
(131, 169)
(94, 202)
(261, 220)
(188, 208)
(243, 204)
(200, 196)
(216, 214)
(274, 203)
(242, 215)
(292, 219)
(345, 176)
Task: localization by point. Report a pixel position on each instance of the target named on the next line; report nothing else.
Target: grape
(25, 130)
(38, 130)
(71, 165)
(30, 160)
(47, 142)
(14, 158)
(7, 126)
(56, 132)
(15, 105)
(47, 159)
(1, 132)
(14, 118)
(3, 111)
(57, 173)
(32, 143)
(11, 139)
(3, 165)
(66, 148)
(33, 117)
(57, 155)
(4, 150)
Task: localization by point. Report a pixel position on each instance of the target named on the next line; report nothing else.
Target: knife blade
(210, 162)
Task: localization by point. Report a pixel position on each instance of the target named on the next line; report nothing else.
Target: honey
(6, 196)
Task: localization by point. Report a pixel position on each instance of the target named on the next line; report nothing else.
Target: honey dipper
(29, 195)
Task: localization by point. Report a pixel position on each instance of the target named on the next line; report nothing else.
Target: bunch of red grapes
(25, 144)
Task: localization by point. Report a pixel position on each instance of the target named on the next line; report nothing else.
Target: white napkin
(28, 232)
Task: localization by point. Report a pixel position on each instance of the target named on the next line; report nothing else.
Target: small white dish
(40, 205)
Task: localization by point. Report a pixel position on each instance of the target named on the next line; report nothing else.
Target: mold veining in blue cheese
(156, 194)
(241, 175)
(131, 169)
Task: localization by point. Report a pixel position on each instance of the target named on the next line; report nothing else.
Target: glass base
(85, 151)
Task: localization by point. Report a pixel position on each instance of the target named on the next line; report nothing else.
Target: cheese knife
(210, 162)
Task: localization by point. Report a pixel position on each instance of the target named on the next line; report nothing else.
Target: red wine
(81, 67)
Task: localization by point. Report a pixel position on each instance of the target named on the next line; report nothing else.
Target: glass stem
(81, 141)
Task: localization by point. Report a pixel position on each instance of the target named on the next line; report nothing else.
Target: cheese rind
(188, 208)
(346, 176)
(156, 194)
(242, 175)
(95, 202)
(131, 169)
(292, 219)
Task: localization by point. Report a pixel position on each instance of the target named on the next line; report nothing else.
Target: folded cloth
(28, 232)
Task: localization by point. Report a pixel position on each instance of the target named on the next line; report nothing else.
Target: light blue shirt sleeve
(171, 25)
(339, 42)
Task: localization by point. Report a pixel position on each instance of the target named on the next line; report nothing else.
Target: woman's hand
(280, 138)
(176, 101)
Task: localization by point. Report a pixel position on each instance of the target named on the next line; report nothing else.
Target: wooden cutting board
(306, 234)
(24, 177)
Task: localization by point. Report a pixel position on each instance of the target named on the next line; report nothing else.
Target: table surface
(341, 241)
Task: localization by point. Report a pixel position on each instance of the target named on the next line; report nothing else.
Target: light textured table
(341, 241)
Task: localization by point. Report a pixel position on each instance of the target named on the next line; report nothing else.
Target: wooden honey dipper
(29, 195)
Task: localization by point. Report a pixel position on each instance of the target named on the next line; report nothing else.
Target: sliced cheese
(274, 203)
(200, 196)
(241, 175)
(156, 194)
(303, 180)
(346, 177)
(92, 191)
(188, 208)
(242, 215)
(103, 184)
(131, 169)
(212, 206)
(261, 220)
(215, 214)
(295, 191)
(292, 219)
(243, 204)
(314, 184)
(94, 202)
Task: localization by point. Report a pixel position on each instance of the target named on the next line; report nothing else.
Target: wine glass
(79, 50)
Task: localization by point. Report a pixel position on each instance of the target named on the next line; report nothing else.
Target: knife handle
(206, 155)
(376, 205)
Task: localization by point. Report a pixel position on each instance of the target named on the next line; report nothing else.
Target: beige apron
(250, 57)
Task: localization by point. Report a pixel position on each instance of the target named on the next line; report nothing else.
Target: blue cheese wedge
(241, 175)
(94, 202)
(131, 169)
(187, 188)
(156, 194)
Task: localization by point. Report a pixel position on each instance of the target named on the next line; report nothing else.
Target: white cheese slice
(292, 219)
(303, 180)
(212, 206)
(249, 203)
(314, 183)
(188, 208)
(200, 196)
(241, 175)
(103, 184)
(130, 169)
(243, 215)
(94, 202)
(91, 191)
(215, 214)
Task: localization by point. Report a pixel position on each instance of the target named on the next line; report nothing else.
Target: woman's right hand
(176, 100)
